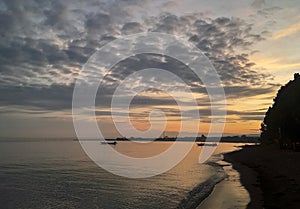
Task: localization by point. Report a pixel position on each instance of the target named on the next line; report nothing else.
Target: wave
(204, 189)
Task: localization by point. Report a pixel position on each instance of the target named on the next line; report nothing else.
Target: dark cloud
(132, 27)
(98, 24)
(267, 12)
(247, 118)
(247, 91)
(54, 97)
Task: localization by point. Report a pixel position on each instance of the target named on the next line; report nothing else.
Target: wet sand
(274, 172)
(229, 193)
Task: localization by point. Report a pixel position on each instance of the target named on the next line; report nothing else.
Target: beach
(271, 176)
(229, 193)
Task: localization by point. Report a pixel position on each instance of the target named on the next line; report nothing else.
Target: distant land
(233, 139)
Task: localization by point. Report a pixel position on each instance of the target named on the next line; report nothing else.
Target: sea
(43, 173)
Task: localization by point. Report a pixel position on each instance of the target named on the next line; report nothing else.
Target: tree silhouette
(282, 121)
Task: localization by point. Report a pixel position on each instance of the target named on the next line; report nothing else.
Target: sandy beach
(271, 176)
(229, 193)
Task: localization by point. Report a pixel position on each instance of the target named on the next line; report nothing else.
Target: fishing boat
(205, 144)
(111, 143)
(164, 137)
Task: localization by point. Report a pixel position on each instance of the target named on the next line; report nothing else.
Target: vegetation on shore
(282, 121)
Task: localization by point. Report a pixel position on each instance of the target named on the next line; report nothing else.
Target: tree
(282, 121)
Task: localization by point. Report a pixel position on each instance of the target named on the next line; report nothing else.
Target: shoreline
(230, 192)
(222, 190)
(203, 190)
(277, 181)
(248, 178)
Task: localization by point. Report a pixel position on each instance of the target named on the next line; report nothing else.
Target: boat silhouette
(110, 143)
(205, 144)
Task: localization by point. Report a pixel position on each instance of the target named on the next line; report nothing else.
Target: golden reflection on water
(142, 150)
(149, 149)
(188, 172)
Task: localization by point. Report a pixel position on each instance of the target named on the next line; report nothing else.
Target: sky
(253, 45)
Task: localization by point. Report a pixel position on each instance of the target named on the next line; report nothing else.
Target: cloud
(59, 38)
(52, 36)
(247, 91)
(267, 12)
(258, 3)
(43, 46)
(222, 40)
(290, 30)
(54, 97)
(132, 27)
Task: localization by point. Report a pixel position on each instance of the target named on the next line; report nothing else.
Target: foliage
(282, 121)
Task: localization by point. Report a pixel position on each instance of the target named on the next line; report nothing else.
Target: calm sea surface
(58, 174)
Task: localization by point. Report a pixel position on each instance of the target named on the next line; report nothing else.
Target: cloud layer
(44, 44)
